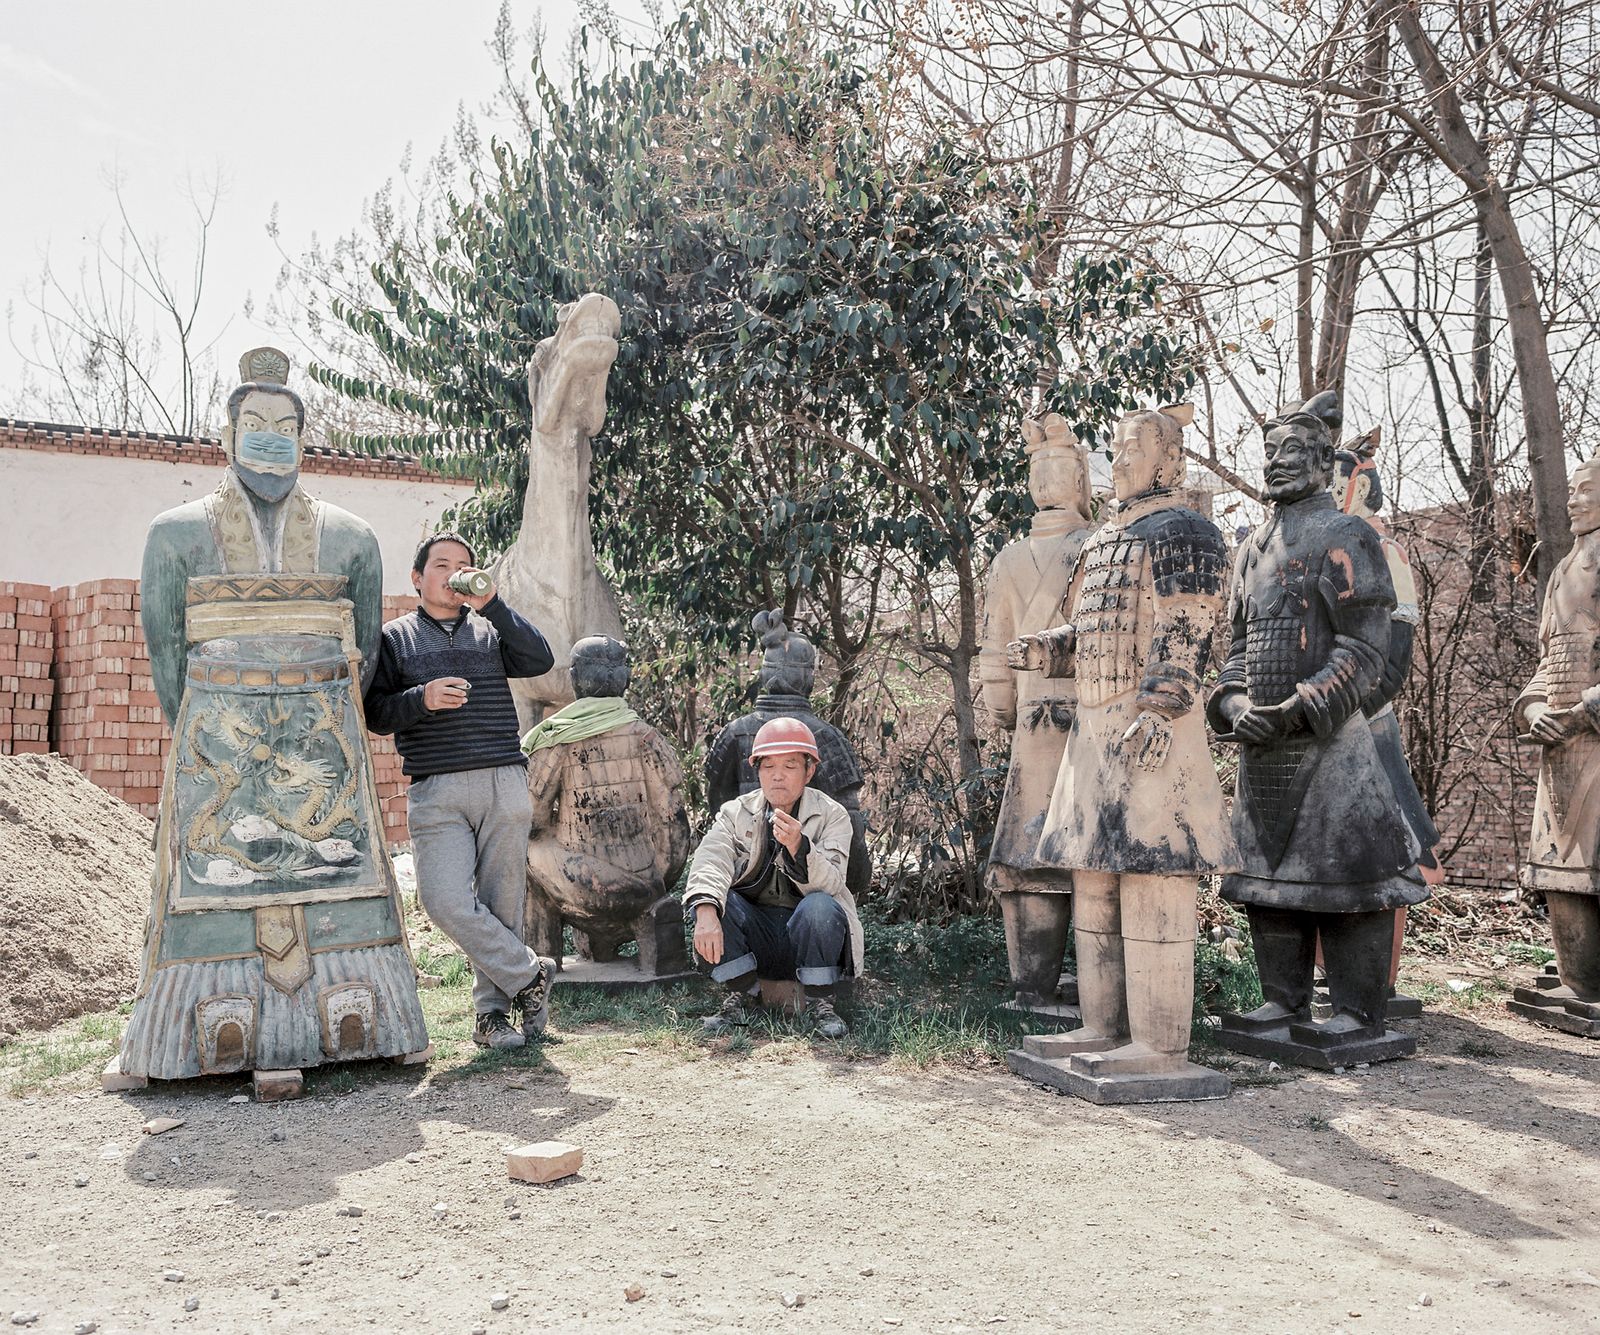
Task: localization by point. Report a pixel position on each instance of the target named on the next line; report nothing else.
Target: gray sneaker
(493, 1029)
(827, 1020)
(533, 1002)
(735, 1010)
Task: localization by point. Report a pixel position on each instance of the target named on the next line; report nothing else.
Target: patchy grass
(1477, 993)
(936, 997)
(1242, 1072)
(63, 1056)
(1521, 952)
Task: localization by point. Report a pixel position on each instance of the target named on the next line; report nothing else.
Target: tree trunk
(1463, 154)
(1346, 254)
(962, 657)
(1480, 416)
(1049, 262)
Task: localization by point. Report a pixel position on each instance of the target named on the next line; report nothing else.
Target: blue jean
(806, 943)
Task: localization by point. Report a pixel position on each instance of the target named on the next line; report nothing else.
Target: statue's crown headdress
(264, 366)
(1321, 412)
(1047, 434)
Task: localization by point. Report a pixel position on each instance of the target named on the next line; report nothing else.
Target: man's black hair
(428, 544)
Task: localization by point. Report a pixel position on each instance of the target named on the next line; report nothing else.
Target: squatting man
(767, 890)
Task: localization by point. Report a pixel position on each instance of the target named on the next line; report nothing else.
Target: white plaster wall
(67, 518)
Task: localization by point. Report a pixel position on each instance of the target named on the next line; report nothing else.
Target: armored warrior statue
(1027, 584)
(610, 832)
(1137, 814)
(1560, 710)
(1324, 846)
(275, 939)
(788, 670)
(1358, 490)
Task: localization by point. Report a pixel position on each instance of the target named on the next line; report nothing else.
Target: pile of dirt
(75, 866)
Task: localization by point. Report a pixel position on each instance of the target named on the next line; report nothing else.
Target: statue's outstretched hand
(1152, 734)
(1026, 654)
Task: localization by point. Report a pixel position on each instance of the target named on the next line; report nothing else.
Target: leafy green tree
(829, 339)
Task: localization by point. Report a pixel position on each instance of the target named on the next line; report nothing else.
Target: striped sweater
(485, 650)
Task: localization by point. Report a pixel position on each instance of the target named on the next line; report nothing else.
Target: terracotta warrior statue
(610, 831)
(1358, 490)
(1324, 844)
(1560, 711)
(275, 938)
(1027, 584)
(788, 671)
(1137, 814)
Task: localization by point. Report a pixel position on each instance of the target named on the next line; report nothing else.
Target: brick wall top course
(18, 434)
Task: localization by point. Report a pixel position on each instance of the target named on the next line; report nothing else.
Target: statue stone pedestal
(1076, 1074)
(1543, 1002)
(618, 975)
(1302, 1044)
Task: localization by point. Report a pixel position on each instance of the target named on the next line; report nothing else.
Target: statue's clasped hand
(1553, 727)
(1260, 724)
(1152, 734)
(1026, 654)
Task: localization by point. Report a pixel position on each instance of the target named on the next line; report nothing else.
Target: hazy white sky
(306, 104)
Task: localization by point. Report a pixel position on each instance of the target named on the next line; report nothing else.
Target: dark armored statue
(1323, 843)
(788, 670)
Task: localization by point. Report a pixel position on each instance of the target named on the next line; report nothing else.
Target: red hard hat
(782, 736)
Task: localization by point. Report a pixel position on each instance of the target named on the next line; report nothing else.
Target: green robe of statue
(275, 938)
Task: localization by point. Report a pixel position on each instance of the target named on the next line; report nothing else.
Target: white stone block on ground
(543, 1161)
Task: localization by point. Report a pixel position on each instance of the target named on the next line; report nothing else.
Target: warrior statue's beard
(270, 487)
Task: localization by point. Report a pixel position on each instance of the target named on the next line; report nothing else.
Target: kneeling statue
(610, 831)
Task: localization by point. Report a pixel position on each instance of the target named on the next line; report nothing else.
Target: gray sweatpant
(469, 838)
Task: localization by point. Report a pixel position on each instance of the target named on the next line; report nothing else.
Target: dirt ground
(783, 1188)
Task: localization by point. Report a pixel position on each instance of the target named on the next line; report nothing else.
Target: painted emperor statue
(275, 938)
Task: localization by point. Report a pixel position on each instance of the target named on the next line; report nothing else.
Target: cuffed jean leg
(738, 958)
(818, 930)
(754, 939)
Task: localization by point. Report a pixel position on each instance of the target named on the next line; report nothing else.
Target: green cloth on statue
(579, 721)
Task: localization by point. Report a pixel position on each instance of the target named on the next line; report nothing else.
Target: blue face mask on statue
(267, 450)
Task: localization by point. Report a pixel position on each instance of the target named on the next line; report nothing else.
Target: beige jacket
(732, 847)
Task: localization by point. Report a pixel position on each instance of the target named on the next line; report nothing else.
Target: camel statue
(549, 574)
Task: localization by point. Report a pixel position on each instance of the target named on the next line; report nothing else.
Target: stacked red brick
(106, 720)
(392, 783)
(26, 648)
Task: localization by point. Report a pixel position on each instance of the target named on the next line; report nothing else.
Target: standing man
(441, 688)
(767, 889)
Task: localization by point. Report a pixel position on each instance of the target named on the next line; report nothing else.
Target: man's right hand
(708, 933)
(446, 693)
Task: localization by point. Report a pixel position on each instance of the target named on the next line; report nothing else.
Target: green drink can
(473, 583)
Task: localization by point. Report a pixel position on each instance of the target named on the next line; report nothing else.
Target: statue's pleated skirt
(161, 1041)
